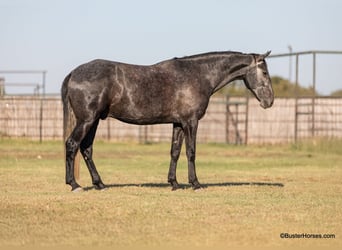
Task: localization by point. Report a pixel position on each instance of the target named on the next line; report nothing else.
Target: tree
(337, 93)
(281, 87)
(284, 88)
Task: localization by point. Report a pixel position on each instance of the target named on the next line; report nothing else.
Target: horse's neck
(231, 69)
(218, 68)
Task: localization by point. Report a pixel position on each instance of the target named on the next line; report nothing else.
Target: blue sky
(59, 35)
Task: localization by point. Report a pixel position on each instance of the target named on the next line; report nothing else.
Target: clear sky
(59, 35)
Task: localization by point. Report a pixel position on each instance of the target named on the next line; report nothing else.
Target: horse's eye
(265, 73)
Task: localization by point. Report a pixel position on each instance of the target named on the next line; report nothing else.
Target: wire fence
(235, 120)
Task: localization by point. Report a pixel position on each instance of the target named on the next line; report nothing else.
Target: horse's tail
(69, 122)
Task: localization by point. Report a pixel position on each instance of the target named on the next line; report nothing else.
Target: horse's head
(258, 81)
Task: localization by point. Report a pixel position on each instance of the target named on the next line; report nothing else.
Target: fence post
(2, 87)
(41, 107)
(143, 134)
(296, 102)
(41, 121)
(314, 93)
(108, 130)
(246, 121)
(227, 119)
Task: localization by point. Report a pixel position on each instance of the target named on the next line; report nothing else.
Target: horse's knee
(175, 154)
(191, 155)
(71, 147)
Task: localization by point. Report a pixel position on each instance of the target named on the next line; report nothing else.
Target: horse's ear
(261, 57)
(266, 54)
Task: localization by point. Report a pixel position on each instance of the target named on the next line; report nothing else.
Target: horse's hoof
(196, 186)
(77, 190)
(100, 186)
(174, 185)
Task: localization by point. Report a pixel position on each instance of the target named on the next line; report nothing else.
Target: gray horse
(174, 91)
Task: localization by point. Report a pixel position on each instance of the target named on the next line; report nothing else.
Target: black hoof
(196, 185)
(100, 186)
(174, 185)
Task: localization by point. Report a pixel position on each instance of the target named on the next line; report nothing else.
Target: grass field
(252, 194)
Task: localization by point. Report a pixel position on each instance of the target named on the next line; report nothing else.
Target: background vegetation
(282, 88)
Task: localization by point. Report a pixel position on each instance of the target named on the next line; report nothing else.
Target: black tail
(69, 121)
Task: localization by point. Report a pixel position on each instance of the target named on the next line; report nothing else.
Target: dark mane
(209, 54)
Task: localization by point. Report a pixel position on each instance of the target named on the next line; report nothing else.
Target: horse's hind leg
(72, 145)
(71, 148)
(86, 149)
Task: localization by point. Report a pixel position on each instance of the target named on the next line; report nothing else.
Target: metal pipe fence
(309, 112)
(234, 120)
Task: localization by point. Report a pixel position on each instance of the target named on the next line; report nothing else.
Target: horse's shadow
(186, 186)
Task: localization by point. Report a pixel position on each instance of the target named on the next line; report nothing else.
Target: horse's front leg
(190, 131)
(176, 146)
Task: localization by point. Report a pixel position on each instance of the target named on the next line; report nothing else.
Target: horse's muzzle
(266, 103)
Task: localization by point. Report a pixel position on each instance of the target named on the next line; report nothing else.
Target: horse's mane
(209, 54)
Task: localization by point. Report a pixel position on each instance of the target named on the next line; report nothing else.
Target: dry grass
(243, 204)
